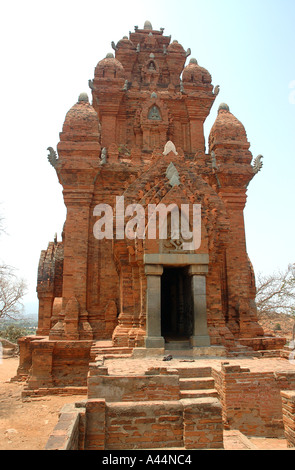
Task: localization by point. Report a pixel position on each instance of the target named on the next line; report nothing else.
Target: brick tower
(142, 141)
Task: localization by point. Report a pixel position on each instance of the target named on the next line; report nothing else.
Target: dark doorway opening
(176, 305)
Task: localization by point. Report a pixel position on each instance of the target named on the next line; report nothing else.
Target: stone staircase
(178, 346)
(242, 350)
(106, 349)
(196, 383)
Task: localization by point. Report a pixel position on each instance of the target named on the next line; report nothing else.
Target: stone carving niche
(154, 123)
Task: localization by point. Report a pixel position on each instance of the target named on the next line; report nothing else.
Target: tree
(12, 289)
(12, 333)
(276, 292)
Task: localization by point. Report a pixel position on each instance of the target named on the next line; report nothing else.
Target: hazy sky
(48, 53)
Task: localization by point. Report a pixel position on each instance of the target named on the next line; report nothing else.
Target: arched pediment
(177, 224)
(154, 109)
(153, 187)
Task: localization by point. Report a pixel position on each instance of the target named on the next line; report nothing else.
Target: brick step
(193, 372)
(60, 391)
(115, 356)
(243, 353)
(211, 392)
(177, 346)
(201, 383)
(242, 350)
(110, 351)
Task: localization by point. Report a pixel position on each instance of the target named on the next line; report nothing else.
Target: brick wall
(53, 364)
(288, 401)
(144, 425)
(152, 386)
(251, 402)
(97, 425)
(68, 433)
(203, 428)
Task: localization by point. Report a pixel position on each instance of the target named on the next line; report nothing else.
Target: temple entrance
(176, 305)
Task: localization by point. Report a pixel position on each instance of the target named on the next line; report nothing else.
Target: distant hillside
(277, 324)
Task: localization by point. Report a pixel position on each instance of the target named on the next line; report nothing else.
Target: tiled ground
(234, 440)
(125, 366)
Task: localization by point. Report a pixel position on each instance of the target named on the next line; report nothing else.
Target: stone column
(153, 307)
(200, 337)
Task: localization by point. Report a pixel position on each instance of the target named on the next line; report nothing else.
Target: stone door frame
(197, 268)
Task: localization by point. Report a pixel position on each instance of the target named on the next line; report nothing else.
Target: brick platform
(288, 399)
(245, 413)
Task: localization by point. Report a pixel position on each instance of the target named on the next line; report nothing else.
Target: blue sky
(50, 51)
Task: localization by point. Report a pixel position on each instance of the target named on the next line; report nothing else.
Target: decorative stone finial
(173, 175)
(110, 55)
(169, 147)
(257, 165)
(103, 156)
(223, 106)
(147, 25)
(193, 61)
(52, 157)
(125, 87)
(114, 46)
(83, 97)
(216, 90)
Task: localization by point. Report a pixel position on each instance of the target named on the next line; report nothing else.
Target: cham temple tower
(141, 136)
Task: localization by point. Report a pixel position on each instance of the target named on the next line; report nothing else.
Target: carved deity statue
(154, 114)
